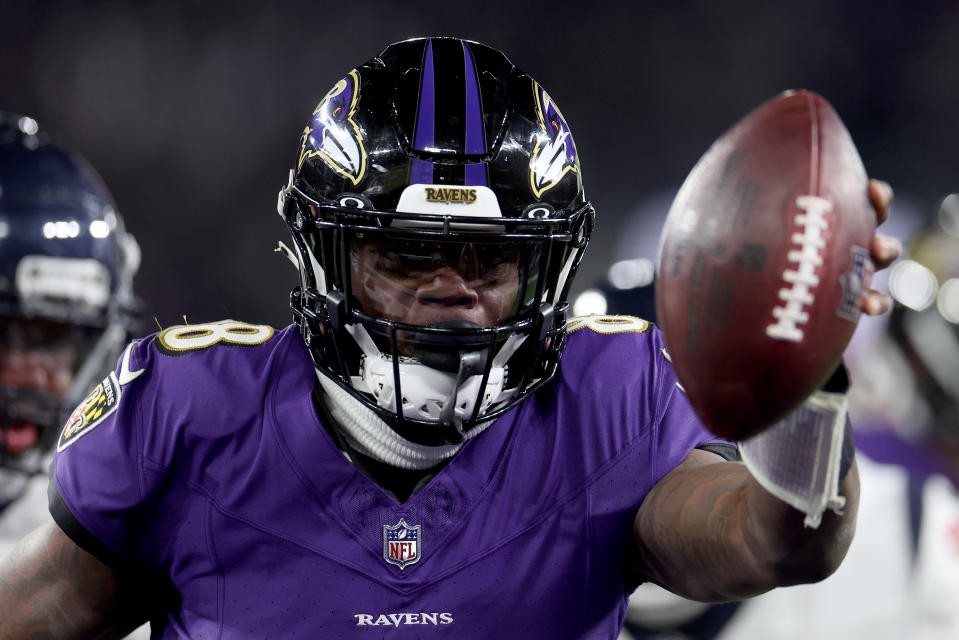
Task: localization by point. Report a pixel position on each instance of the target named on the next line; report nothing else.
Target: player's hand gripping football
(883, 249)
(766, 258)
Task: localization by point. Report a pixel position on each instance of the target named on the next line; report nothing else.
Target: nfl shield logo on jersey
(401, 544)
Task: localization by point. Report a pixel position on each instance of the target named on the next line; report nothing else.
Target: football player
(431, 448)
(66, 303)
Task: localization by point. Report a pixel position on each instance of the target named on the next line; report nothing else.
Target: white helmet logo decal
(333, 135)
(555, 153)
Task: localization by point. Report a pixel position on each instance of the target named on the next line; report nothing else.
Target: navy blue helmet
(66, 272)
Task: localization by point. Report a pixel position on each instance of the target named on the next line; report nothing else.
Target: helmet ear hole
(538, 211)
(353, 201)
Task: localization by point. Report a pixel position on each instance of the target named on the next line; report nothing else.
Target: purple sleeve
(97, 484)
(621, 381)
(678, 429)
(163, 418)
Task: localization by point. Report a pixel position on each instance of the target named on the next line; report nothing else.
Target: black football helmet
(66, 272)
(436, 149)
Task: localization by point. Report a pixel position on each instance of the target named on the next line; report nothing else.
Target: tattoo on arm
(687, 527)
(51, 588)
(708, 531)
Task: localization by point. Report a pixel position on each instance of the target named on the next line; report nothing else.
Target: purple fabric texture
(216, 472)
(883, 445)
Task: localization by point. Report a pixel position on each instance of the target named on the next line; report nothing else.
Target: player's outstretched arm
(51, 588)
(710, 532)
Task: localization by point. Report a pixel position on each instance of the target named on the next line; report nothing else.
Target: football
(765, 255)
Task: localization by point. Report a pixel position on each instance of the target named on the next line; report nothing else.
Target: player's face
(425, 283)
(37, 358)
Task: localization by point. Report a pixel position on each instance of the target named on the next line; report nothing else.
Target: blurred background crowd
(192, 113)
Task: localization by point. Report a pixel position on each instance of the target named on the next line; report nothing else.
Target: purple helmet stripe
(475, 140)
(427, 108)
(422, 170)
(476, 175)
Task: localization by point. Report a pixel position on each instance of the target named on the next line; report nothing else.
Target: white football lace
(803, 277)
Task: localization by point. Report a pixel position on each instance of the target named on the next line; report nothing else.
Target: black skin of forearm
(51, 588)
(708, 531)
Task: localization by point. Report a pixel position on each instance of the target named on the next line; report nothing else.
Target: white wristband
(798, 460)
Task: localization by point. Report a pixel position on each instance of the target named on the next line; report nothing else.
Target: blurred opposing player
(909, 391)
(431, 449)
(66, 271)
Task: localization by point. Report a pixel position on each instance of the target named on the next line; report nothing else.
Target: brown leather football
(765, 257)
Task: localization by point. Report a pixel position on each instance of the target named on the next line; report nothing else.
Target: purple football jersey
(208, 466)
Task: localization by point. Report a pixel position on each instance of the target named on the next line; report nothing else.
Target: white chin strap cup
(426, 391)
